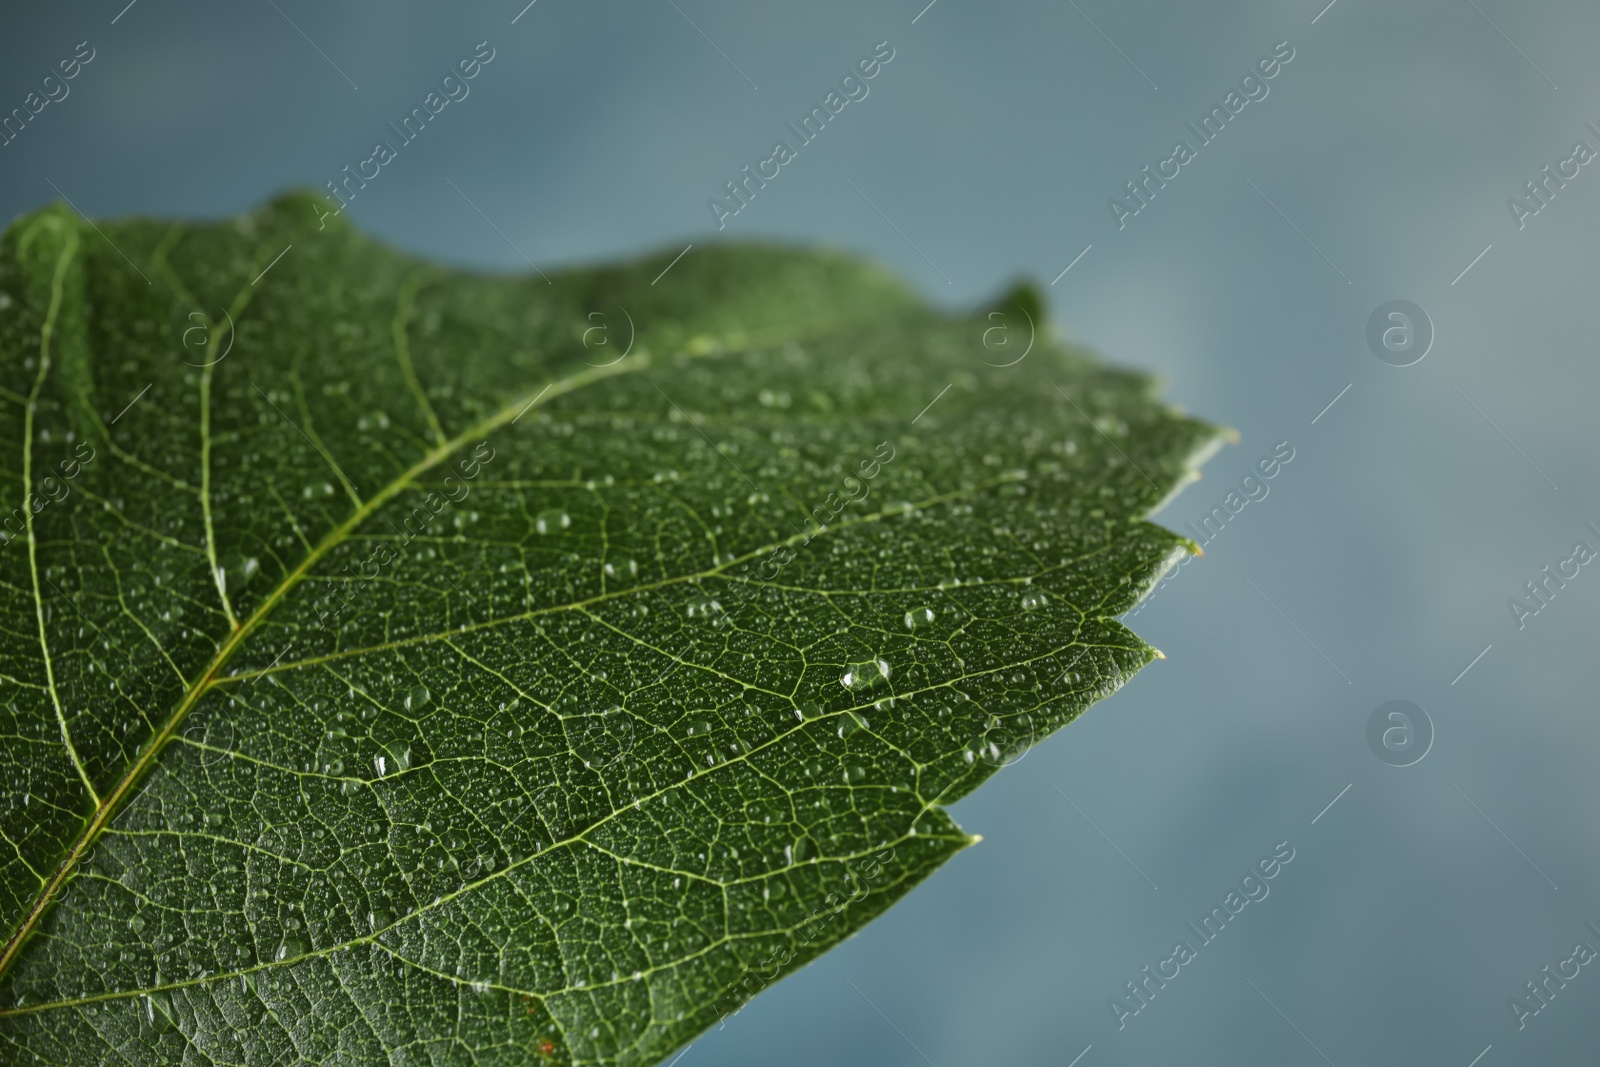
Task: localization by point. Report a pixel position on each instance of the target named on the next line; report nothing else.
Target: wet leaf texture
(415, 667)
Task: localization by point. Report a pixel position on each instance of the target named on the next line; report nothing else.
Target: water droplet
(850, 722)
(705, 608)
(291, 947)
(158, 1012)
(552, 519)
(1033, 601)
(865, 675)
(237, 570)
(621, 567)
(418, 698)
(919, 617)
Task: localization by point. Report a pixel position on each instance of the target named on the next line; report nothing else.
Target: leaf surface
(409, 666)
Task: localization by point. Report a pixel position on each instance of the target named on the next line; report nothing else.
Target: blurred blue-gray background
(1378, 167)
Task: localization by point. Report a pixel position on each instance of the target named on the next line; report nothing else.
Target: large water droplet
(418, 698)
(551, 519)
(157, 1013)
(704, 608)
(237, 570)
(860, 676)
(850, 722)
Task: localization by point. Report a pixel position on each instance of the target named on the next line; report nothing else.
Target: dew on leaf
(687, 721)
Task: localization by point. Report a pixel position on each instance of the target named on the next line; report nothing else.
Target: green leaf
(410, 666)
